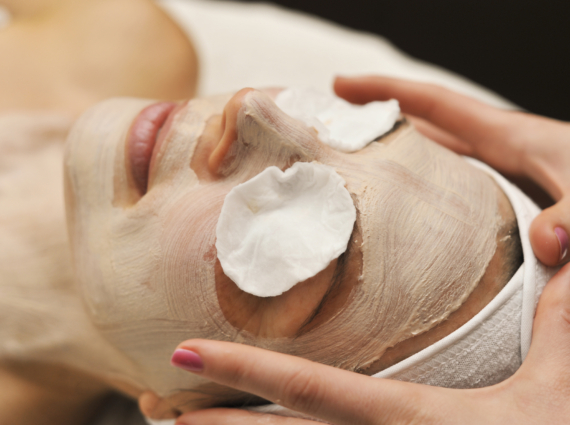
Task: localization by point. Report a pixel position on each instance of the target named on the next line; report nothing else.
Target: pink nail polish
(187, 360)
(562, 241)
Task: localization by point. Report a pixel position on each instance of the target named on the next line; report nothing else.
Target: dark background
(517, 48)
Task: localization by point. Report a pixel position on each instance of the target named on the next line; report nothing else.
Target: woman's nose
(229, 129)
(257, 131)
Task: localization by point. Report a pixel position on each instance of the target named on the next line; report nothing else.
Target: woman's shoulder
(92, 50)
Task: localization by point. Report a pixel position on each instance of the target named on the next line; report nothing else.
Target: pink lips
(143, 138)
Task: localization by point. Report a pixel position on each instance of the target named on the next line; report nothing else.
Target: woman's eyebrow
(336, 281)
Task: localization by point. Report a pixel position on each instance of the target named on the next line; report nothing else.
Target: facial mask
(281, 228)
(426, 226)
(492, 345)
(341, 125)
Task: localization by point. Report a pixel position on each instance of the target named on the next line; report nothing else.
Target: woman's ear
(229, 130)
(155, 407)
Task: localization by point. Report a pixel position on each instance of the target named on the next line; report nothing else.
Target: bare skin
(63, 56)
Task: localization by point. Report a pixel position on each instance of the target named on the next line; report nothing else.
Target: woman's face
(145, 184)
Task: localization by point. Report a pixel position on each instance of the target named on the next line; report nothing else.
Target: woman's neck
(46, 395)
(67, 55)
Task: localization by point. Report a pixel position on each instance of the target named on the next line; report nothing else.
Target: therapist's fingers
(549, 233)
(335, 395)
(237, 417)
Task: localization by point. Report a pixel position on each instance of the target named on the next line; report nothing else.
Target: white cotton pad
(281, 228)
(341, 125)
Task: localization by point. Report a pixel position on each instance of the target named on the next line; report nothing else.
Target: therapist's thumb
(549, 356)
(549, 233)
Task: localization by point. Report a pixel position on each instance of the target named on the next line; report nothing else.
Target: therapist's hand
(538, 393)
(514, 143)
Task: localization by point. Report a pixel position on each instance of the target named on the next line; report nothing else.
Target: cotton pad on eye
(341, 125)
(281, 228)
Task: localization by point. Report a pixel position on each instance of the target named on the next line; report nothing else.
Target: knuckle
(302, 390)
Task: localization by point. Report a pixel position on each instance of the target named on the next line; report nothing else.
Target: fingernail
(187, 360)
(562, 242)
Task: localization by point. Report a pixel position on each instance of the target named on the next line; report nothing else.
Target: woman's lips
(142, 140)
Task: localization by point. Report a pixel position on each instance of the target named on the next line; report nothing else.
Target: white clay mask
(341, 125)
(426, 233)
(281, 228)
